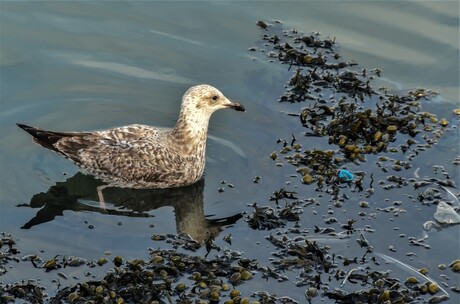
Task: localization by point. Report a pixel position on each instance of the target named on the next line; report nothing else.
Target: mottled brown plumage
(140, 156)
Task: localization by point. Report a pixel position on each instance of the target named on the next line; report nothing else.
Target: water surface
(93, 65)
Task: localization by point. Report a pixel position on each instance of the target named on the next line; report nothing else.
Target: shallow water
(85, 66)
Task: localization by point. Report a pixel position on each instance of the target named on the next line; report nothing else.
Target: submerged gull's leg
(101, 196)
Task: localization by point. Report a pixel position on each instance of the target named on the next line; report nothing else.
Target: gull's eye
(215, 97)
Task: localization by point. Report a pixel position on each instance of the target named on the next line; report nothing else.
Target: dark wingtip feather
(44, 138)
(23, 126)
(31, 130)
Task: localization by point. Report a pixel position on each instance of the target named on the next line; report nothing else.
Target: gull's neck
(191, 129)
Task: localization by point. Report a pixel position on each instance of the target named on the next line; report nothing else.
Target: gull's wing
(125, 152)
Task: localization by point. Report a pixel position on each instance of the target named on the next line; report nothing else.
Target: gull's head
(206, 99)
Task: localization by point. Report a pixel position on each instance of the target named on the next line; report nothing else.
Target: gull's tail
(46, 139)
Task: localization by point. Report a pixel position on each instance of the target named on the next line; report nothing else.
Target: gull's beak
(236, 106)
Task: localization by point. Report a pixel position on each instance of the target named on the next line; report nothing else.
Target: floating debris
(346, 175)
(445, 214)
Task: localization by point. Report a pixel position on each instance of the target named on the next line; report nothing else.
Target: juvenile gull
(141, 156)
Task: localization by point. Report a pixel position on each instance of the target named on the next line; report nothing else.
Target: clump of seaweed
(167, 275)
(344, 105)
(8, 251)
(26, 291)
(264, 218)
(323, 272)
(360, 119)
(267, 218)
(29, 292)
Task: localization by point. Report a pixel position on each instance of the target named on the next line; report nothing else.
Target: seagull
(141, 156)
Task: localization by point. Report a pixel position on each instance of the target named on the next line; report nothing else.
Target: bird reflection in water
(75, 191)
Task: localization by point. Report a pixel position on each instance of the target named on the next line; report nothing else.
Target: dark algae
(166, 275)
(343, 104)
(371, 133)
(361, 120)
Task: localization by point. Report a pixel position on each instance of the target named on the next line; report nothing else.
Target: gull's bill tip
(237, 106)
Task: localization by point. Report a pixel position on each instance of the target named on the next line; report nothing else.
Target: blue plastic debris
(346, 175)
